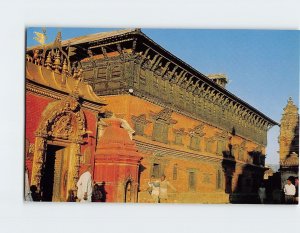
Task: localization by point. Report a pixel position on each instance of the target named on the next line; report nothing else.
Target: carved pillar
(38, 159)
(73, 173)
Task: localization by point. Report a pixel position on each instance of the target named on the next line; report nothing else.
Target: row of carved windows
(212, 145)
(160, 134)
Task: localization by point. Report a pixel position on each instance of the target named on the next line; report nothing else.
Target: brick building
(161, 117)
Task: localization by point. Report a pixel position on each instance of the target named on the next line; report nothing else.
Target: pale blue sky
(262, 65)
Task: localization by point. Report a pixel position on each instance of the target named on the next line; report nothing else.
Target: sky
(262, 65)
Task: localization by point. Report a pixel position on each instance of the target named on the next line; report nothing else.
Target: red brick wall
(35, 105)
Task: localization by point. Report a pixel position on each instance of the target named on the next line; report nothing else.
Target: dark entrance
(228, 186)
(51, 173)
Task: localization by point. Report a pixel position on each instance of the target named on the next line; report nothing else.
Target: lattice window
(116, 72)
(160, 132)
(178, 139)
(195, 143)
(192, 180)
(209, 145)
(139, 128)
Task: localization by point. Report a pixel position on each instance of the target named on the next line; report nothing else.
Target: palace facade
(160, 117)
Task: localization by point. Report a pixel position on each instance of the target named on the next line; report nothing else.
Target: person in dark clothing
(97, 194)
(297, 189)
(71, 196)
(34, 193)
(103, 191)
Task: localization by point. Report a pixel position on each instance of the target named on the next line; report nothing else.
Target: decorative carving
(140, 123)
(179, 133)
(31, 148)
(197, 131)
(289, 130)
(162, 120)
(38, 159)
(56, 110)
(63, 126)
(209, 144)
(164, 115)
(54, 56)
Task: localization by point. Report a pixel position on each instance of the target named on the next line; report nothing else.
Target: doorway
(128, 191)
(228, 187)
(54, 174)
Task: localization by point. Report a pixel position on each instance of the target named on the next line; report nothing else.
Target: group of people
(158, 189)
(86, 190)
(290, 191)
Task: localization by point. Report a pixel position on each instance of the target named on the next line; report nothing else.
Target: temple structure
(160, 117)
(289, 142)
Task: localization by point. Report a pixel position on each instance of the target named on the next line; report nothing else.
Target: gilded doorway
(57, 152)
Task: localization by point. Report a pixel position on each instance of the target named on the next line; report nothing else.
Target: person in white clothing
(28, 196)
(262, 194)
(154, 189)
(289, 192)
(163, 189)
(85, 186)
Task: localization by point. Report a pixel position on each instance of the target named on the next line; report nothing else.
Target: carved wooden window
(175, 172)
(195, 143)
(116, 72)
(160, 131)
(88, 74)
(178, 139)
(139, 128)
(192, 180)
(156, 170)
(101, 72)
(209, 145)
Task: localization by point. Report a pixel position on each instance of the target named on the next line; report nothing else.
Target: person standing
(71, 196)
(289, 191)
(35, 195)
(297, 189)
(97, 194)
(262, 193)
(154, 189)
(85, 186)
(163, 189)
(28, 196)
